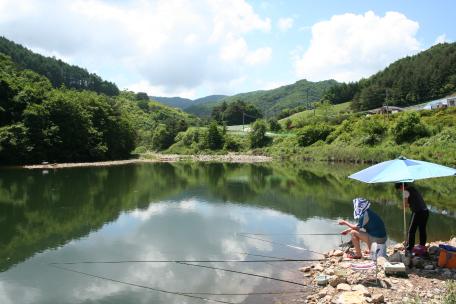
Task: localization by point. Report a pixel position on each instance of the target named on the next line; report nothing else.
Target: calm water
(184, 212)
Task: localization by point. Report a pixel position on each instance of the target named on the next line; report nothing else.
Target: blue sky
(202, 47)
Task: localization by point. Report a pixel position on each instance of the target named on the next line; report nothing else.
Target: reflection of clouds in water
(159, 232)
(260, 245)
(153, 209)
(12, 294)
(319, 243)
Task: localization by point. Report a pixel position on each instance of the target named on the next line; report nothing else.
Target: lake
(188, 212)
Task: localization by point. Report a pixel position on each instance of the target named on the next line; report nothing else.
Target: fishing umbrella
(402, 170)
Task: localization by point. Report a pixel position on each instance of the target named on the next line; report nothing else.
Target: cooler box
(447, 256)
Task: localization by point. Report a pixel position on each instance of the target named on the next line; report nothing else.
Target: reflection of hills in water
(39, 211)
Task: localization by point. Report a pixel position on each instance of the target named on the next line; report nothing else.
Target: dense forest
(39, 123)
(235, 113)
(415, 79)
(58, 72)
(272, 102)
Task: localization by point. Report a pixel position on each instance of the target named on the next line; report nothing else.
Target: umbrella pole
(403, 206)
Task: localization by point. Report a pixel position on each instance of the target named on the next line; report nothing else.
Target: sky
(196, 48)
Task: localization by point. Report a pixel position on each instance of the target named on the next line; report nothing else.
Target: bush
(450, 294)
(214, 139)
(274, 125)
(373, 130)
(257, 136)
(232, 144)
(162, 138)
(313, 133)
(409, 128)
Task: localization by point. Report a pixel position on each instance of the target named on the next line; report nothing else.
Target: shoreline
(422, 280)
(157, 158)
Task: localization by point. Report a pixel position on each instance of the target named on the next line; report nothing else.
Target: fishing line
(248, 233)
(287, 245)
(244, 273)
(184, 261)
(142, 286)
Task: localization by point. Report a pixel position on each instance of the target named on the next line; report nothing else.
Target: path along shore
(160, 158)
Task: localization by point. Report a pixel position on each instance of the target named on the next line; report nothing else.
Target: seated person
(368, 220)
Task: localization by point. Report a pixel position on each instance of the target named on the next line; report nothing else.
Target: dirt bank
(157, 158)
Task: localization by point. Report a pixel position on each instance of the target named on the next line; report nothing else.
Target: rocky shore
(423, 281)
(157, 158)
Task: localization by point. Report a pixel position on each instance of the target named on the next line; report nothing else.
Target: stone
(343, 287)
(329, 271)
(305, 269)
(378, 298)
(395, 257)
(429, 267)
(398, 246)
(322, 293)
(361, 288)
(349, 297)
(336, 280)
(337, 253)
(381, 261)
(417, 262)
(318, 267)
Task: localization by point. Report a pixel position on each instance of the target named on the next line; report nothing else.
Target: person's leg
(412, 231)
(358, 236)
(422, 221)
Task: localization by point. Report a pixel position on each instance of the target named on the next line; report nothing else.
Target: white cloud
(348, 47)
(441, 39)
(169, 45)
(285, 24)
(259, 56)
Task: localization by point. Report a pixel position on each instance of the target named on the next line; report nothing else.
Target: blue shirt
(372, 223)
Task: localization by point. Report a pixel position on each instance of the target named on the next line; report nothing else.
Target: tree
(162, 138)
(409, 128)
(214, 139)
(274, 125)
(257, 135)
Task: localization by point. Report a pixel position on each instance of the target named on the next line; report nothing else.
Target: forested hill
(57, 71)
(415, 79)
(183, 103)
(272, 102)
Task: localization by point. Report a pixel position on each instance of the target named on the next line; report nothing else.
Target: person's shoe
(408, 253)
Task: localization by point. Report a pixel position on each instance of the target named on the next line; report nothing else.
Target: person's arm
(406, 198)
(350, 225)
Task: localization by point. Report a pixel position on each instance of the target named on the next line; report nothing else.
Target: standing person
(420, 214)
(368, 220)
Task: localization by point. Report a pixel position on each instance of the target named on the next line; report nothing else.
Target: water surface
(180, 212)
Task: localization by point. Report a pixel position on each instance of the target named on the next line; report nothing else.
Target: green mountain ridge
(58, 72)
(183, 103)
(272, 102)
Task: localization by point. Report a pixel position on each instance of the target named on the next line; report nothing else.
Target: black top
(415, 200)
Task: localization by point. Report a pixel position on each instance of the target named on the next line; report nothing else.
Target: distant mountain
(175, 102)
(208, 99)
(272, 102)
(184, 103)
(57, 71)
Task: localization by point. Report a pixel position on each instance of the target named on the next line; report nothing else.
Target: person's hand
(342, 222)
(345, 232)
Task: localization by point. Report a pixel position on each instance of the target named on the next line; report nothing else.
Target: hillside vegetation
(55, 70)
(39, 123)
(414, 79)
(184, 103)
(272, 102)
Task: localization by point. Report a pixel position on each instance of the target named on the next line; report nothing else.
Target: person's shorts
(377, 240)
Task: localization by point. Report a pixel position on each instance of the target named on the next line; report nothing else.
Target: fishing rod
(194, 296)
(244, 273)
(248, 233)
(287, 245)
(184, 261)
